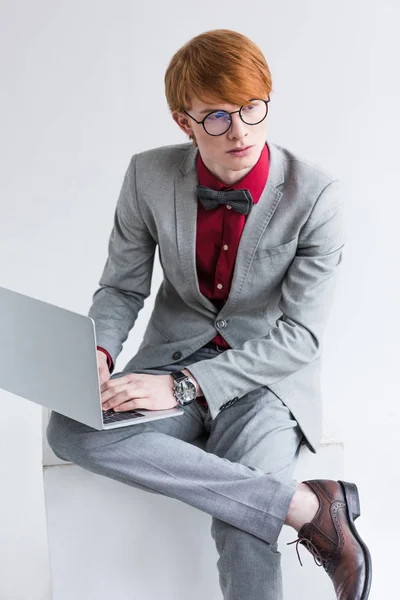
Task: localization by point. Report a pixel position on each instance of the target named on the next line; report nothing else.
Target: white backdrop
(75, 77)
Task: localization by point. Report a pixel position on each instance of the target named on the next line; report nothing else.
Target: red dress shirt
(218, 234)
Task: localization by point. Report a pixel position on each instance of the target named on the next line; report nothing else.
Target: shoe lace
(319, 561)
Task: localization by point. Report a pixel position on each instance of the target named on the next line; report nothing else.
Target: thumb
(104, 374)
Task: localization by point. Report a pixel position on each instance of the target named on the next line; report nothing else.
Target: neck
(226, 176)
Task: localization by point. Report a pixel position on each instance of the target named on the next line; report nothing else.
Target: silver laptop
(48, 356)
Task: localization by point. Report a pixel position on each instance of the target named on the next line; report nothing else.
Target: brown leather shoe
(334, 541)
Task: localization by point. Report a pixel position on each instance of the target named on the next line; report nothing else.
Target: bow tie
(240, 200)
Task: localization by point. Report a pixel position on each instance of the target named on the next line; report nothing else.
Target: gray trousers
(243, 478)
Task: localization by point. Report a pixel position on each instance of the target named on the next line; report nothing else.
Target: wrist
(102, 352)
(198, 388)
(101, 357)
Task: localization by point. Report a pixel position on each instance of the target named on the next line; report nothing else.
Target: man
(250, 240)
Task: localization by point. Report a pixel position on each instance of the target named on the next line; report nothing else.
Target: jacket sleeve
(305, 302)
(126, 279)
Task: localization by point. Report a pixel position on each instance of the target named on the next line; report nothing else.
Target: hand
(104, 373)
(138, 390)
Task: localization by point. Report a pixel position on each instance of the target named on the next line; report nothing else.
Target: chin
(242, 166)
(238, 164)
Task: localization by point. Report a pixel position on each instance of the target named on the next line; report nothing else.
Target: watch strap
(179, 376)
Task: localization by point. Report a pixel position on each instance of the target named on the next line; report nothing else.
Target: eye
(249, 107)
(215, 116)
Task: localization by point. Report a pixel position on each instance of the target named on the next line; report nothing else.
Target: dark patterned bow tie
(240, 200)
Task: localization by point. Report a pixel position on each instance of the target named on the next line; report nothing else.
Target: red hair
(217, 66)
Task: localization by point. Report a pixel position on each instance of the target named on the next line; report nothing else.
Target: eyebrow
(207, 110)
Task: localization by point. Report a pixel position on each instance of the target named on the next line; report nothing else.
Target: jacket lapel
(186, 228)
(186, 224)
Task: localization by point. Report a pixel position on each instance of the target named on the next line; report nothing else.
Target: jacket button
(177, 355)
(221, 324)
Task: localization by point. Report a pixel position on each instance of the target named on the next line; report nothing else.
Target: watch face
(185, 391)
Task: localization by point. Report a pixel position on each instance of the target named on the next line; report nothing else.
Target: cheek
(209, 146)
(262, 129)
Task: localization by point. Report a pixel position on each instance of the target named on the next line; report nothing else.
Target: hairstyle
(217, 66)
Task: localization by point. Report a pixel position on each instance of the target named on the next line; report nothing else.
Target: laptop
(48, 356)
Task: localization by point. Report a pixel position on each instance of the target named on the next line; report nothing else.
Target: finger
(117, 381)
(120, 392)
(132, 389)
(124, 394)
(132, 404)
(104, 375)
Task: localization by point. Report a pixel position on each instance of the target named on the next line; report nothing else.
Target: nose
(238, 128)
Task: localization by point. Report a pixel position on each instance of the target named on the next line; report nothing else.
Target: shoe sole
(351, 495)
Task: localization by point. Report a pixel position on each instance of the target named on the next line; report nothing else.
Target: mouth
(240, 151)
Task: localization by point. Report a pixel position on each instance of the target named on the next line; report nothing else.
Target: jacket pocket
(275, 250)
(153, 335)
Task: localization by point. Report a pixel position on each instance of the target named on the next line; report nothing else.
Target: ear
(183, 122)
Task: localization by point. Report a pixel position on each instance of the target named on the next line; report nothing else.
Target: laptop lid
(48, 356)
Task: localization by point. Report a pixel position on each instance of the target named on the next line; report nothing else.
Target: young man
(250, 240)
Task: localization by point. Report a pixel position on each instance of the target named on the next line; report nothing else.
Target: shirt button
(221, 324)
(225, 247)
(219, 286)
(228, 206)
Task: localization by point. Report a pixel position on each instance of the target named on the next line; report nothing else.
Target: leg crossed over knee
(67, 438)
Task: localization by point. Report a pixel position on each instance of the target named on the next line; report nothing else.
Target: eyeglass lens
(219, 121)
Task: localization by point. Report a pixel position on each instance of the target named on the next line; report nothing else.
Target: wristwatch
(184, 389)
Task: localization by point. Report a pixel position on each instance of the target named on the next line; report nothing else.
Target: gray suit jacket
(282, 288)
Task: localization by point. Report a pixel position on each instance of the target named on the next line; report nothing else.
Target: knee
(64, 436)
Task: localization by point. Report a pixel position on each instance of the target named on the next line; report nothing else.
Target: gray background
(74, 78)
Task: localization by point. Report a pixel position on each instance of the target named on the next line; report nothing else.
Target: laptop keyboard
(109, 416)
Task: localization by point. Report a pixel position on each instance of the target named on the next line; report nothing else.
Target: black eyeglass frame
(230, 116)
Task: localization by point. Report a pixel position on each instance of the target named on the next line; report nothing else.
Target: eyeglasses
(218, 122)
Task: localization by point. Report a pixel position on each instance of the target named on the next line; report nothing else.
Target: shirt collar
(254, 181)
